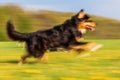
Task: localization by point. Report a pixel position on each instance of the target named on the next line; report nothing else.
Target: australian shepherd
(66, 35)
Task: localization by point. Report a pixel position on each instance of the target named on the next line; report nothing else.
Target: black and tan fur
(66, 35)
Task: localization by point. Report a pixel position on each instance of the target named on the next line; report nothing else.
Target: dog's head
(84, 22)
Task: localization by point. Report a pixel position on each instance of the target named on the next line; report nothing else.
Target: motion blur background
(32, 15)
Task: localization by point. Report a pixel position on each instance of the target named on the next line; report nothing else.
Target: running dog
(66, 35)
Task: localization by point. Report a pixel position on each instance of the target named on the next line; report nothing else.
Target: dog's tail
(14, 35)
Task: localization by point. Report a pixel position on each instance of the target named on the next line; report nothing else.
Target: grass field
(104, 64)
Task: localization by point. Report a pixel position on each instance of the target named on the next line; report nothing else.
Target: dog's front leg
(87, 46)
(78, 39)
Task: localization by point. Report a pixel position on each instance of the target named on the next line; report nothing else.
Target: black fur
(59, 36)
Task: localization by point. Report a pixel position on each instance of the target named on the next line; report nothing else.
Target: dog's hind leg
(23, 58)
(43, 57)
(30, 50)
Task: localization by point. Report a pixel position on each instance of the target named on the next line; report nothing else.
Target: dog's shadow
(15, 62)
(10, 61)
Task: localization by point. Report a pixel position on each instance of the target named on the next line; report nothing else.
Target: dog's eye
(86, 17)
(88, 20)
(81, 20)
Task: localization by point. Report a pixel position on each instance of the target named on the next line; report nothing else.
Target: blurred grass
(28, 21)
(100, 65)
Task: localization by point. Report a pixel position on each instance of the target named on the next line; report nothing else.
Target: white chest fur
(83, 31)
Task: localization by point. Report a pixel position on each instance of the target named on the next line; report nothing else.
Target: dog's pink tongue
(91, 28)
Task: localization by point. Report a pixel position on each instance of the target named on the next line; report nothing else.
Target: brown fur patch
(87, 46)
(81, 14)
(84, 25)
(78, 39)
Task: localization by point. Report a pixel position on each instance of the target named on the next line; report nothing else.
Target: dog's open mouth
(91, 28)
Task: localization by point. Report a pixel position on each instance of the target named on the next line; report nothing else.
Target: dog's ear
(81, 14)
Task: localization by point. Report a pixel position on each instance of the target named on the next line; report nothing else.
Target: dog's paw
(96, 47)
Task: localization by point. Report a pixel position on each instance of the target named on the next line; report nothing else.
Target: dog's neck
(83, 31)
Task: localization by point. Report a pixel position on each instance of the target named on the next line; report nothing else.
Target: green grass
(104, 64)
